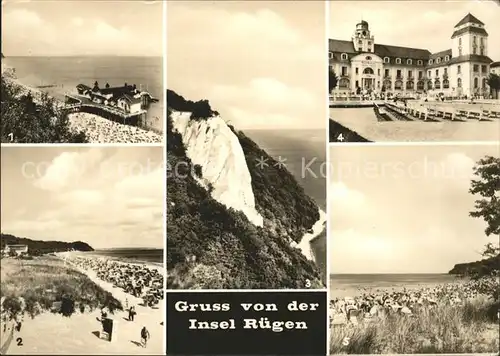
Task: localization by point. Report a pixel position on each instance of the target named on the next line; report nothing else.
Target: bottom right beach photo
(414, 253)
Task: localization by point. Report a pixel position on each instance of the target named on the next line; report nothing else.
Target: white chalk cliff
(211, 144)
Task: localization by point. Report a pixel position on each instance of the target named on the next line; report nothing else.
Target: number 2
(11, 136)
(19, 341)
(308, 283)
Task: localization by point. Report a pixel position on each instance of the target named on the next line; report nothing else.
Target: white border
(327, 147)
(164, 145)
(420, 143)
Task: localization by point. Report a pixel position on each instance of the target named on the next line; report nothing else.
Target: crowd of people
(137, 280)
(379, 304)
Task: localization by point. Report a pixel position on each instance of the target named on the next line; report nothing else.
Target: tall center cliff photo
(246, 179)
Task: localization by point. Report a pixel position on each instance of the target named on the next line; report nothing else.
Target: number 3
(308, 283)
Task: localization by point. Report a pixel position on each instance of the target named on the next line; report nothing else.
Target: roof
(495, 64)
(476, 30)
(469, 18)
(130, 99)
(83, 86)
(341, 46)
(16, 245)
(471, 58)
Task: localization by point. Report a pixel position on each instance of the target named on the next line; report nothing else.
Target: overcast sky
(59, 27)
(259, 63)
(403, 209)
(111, 197)
(420, 24)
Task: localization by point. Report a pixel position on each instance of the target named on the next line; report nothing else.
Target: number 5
(346, 340)
(308, 283)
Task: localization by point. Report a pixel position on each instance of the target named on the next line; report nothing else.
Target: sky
(107, 197)
(259, 63)
(403, 209)
(62, 28)
(419, 24)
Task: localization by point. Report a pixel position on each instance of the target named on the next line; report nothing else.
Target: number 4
(11, 136)
(340, 138)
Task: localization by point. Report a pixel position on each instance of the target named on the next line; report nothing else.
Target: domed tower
(362, 39)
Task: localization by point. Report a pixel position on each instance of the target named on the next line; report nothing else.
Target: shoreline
(317, 229)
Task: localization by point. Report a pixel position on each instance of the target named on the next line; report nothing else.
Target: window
(368, 71)
(378, 72)
(447, 58)
(437, 72)
(368, 58)
(343, 56)
(344, 83)
(387, 84)
(476, 83)
(386, 59)
(445, 71)
(446, 84)
(460, 41)
(475, 68)
(474, 50)
(429, 74)
(419, 62)
(398, 85)
(344, 71)
(481, 50)
(474, 40)
(430, 61)
(330, 55)
(369, 49)
(378, 83)
(357, 83)
(484, 83)
(386, 73)
(398, 60)
(481, 41)
(437, 84)
(459, 70)
(357, 70)
(409, 85)
(409, 62)
(410, 74)
(483, 69)
(459, 51)
(438, 60)
(459, 82)
(420, 85)
(398, 73)
(420, 74)
(360, 42)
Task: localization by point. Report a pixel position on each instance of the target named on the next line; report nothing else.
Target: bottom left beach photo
(82, 251)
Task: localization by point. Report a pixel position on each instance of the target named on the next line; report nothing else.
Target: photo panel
(414, 71)
(246, 195)
(82, 72)
(82, 251)
(414, 249)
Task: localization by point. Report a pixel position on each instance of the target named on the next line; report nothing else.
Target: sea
(141, 255)
(364, 122)
(342, 285)
(62, 74)
(303, 153)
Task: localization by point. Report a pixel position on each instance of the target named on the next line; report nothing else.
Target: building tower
(362, 40)
(469, 38)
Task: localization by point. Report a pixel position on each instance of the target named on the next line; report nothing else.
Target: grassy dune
(32, 286)
(469, 328)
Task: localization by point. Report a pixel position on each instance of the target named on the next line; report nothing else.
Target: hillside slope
(215, 243)
(477, 267)
(41, 247)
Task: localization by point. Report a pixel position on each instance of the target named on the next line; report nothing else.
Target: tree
(487, 185)
(332, 79)
(494, 83)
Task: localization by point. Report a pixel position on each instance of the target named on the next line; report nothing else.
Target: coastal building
(18, 249)
(362, 65)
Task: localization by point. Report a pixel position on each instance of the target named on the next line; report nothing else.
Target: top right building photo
(412, 71)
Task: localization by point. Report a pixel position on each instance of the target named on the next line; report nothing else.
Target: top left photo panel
(82, 72)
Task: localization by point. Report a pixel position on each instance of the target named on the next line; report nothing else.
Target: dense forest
(212, 246)
(36, 247)
(476, 268)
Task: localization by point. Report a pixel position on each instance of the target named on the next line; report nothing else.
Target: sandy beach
(79, 334)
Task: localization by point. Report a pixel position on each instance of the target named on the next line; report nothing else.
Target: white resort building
(17, 249)
(362, 65)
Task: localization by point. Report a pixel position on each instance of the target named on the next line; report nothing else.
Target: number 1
(11, 135)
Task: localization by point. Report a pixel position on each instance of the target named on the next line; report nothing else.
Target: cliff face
(213, 146)
(231, 224)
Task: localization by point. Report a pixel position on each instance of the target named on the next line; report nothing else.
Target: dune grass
(32, 286)
(469, 328)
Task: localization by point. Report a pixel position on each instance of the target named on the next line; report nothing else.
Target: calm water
(351, 284)
(364, 122)
(67, 72)
(133, 254)
(299, 148)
